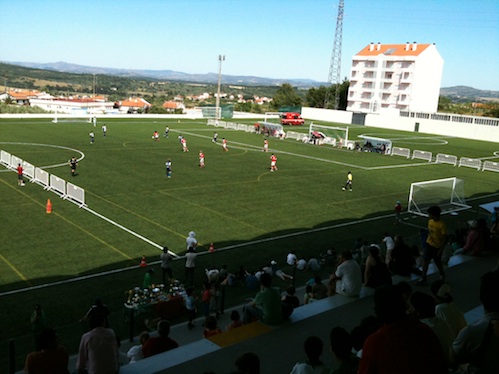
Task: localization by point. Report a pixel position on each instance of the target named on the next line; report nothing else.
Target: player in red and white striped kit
(273, 162)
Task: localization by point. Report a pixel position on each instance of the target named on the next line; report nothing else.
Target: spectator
(301, 264)
(424, 306)
(247, 363)
(290, 298)
(251, 281)
(291, 258)
(122, 356)
(341, 347)
(210, 327)
(313, 347)
(389, 245)
(403, 258)
(278, 272)
(97, 308)
(368, 325)
(476, 343)
(212, 275)
(402, 344)
(147, 282)
(266, 306)
(52, 358)
(135, 352)
(166, 265)
(313, 265)
(329, 259)
(191, 241)
(319, 291)
(215, 299)
(376, 273)
(235, 320)
(347, 279)
(308, 295)
(98, 352)
(190, 306)
(160, 343)
(190, 265)
(39, 323)
(446, 309)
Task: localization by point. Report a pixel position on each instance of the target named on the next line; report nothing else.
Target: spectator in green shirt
(266, 306)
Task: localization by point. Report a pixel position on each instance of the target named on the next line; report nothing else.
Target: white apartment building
(402, 77)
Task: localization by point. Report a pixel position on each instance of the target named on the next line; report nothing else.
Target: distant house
(172, 106)
(133, 104)
(23, 97)
(74, 105)
(404, 77)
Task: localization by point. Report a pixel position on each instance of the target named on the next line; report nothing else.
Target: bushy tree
(286, 95)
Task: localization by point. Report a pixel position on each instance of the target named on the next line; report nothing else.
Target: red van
(291, 118)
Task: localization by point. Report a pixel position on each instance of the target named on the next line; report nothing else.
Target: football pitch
(249, 213)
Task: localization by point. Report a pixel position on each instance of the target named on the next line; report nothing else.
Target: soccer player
(224, 145)
(92, 137)
(265, 146)
(201, 159)
(168, 165)
(73, 163)
(273, 163)
(348, 184)
(215, 137)
(184, 145)
(104, 130)
(167, 132)
(156, 136)
(20, 179)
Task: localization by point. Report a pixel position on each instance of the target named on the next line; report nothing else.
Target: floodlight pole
(217, 109)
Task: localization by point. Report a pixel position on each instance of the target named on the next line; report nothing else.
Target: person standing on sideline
(265, 146)
(224, 145)
(435, 242)
(92, 137)
(273, 162)
(167, 132)
(166, 264)
(104, 130)
(348, 184)
(190, 265)
(398, 210)
(201, 159)
(20, 178)
(215, 137)
(73, 163)
(168, 165)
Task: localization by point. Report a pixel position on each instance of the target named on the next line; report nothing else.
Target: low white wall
(428, 126)
(328, 115)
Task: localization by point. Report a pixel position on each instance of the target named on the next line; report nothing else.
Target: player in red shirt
(20, 179)
(224, 145)
(273, 162)
(201, 159)
(184, 145)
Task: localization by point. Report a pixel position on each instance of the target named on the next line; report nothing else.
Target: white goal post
(404, 152)
(447, 193)
(332, 135)
(446, 159)
(470, 162)
(422, 155)
(490, 166)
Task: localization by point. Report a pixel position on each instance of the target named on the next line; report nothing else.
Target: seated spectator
(308, 295)
(359, 334)
(313, 347)
(403, 258)
(248, 363)
(475, 239)
(251, 281)
(290, 298)
(477, 344)
(313, 265)
(266, 306)
(376, 273)
(135, 352)
(347, 279)
(446, 309)
(160, 343)
(278, 272)
(291, 258)
(223, 273)
(402, 344)
(341, 347)
(424, 307)
(52, 358)
(329, 259)
(319, 291)
(301, 264)
(212, 275)
(235, 321)
(210, 327)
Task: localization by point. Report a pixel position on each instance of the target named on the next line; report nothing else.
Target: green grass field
(235, 202)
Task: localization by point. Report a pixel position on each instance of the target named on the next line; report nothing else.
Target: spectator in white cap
(191, 240)
(445, 307)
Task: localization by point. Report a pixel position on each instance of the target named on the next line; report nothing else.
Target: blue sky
(265, 38)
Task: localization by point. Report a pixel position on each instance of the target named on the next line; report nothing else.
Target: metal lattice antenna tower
(335, 67)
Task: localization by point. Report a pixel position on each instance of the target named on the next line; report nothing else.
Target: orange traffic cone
(48, 208)
(143, 262)
(212, 248)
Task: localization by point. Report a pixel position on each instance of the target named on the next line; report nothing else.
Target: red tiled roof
(393, 49)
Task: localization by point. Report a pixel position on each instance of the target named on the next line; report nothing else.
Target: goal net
(332, 135)
(447, 193)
